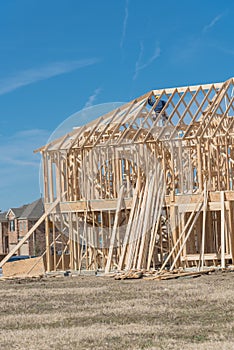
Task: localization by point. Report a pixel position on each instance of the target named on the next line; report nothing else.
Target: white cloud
(139, 59)
(92, 98)
(124, 24)
(141, 65)
(225, 50)
(212, 23)
(19, 167)
(17, 150)
(30, 76)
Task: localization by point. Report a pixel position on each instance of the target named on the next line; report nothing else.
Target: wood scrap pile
(129, 275)
(163, 275)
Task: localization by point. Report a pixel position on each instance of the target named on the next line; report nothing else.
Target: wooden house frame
(128, 191)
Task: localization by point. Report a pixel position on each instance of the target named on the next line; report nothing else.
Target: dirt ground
(90, 312)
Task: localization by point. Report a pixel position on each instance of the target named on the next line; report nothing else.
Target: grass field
(89, 312)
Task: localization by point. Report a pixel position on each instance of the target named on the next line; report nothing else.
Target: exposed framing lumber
(26, 237)
(162, 217)
(114, 231)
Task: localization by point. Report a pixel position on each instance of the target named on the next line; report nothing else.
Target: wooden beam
(197, 209)
(201, 262)
(26, 237)
(129, 226)
(114, 230)
(222, 230)
(191, 88)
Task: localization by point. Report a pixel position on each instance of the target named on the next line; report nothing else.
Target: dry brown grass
(101, 313)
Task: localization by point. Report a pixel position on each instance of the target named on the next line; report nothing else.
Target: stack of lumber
(139, 245)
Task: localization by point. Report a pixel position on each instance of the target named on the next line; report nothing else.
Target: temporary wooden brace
(139, 227)
(156, 220)
(114, 231)
(129, 226)
(197, 208)
(186, 238)
(26, 237)
(133, 242)
(146, 222)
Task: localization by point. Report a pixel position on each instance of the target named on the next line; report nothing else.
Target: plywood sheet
(32, 267)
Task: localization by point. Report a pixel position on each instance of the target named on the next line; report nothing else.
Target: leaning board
(32, 267)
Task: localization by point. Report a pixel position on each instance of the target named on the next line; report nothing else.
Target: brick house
(16, 222)
(3, 233)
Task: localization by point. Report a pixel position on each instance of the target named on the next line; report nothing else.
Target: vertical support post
(201, 262)
(173, 225)
(114, 231)
(54, 243)
(47, 228)
(78, 242)
(231, 228)
(71, 240)
(51, 179)
(182, 223)
(45, 173)
(199, 166)
(222, 229)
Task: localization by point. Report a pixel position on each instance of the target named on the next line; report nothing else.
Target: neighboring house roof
(17, 211)
(33, 211)
(3, 216)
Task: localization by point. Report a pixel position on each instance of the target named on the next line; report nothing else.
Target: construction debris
(163, 275)
(129, 275)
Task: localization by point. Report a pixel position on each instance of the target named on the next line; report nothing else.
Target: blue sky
(59, 56)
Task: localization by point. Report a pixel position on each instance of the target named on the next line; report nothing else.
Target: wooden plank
(214, 107)
(134, 231)
(198, 208)
(222, 230)
(156, 220)
(187, 110)
(114, 230)
(186, 237)
(200, 109)
(231, 228)
(201, 263)
(146, 221)
(48, 250)
(33, 267)
(139, 225)
(129, 226)
(207, 257)
(169, 276)
(191, 88)
(189, 199)
(26, 237)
